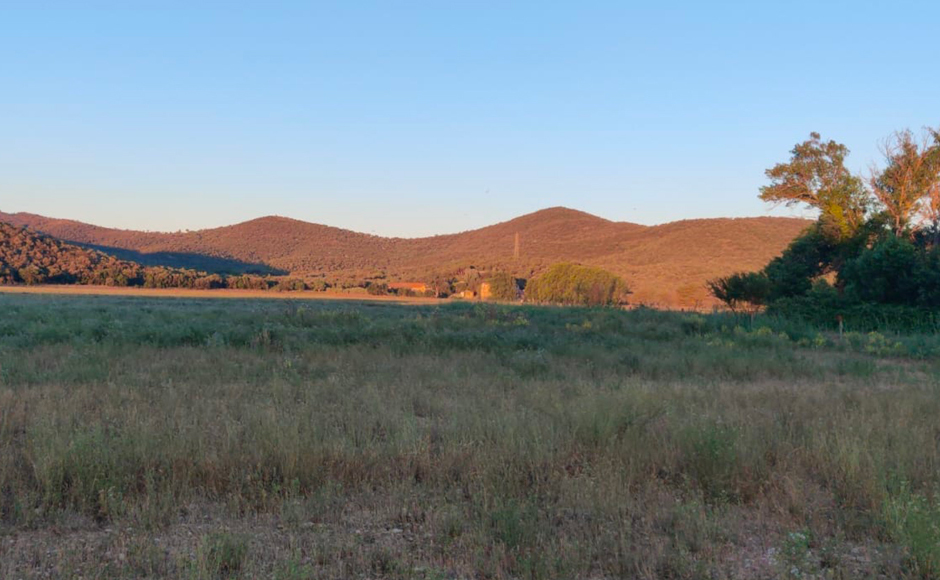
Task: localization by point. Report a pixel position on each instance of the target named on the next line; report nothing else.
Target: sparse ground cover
(146, 437)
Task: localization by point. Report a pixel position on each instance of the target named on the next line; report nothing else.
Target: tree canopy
(816, 175)
(908, 187)
(573, 284)
(876, 242)
(27, 257)
(503, 286)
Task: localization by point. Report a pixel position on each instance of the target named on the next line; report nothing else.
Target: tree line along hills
(662, 265)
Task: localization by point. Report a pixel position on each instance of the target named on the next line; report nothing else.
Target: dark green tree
(577, 285)
(887, 273)
(503, 287)
(807, 257)
(747, 291)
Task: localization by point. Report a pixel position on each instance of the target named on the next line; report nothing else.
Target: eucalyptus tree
(910, 178)
(816, 176)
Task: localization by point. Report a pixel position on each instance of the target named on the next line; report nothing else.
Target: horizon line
(284, 217)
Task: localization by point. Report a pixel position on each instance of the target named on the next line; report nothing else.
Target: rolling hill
(657, 261)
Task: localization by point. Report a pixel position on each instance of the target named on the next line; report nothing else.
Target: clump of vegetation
(748, 290)
(31, 259)
(221, 555)
(377, 289)
(505, 287)
(291, 285)
(913, 519)
(874, 252)
(572, 284)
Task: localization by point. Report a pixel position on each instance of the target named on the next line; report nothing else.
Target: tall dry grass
(504, 442)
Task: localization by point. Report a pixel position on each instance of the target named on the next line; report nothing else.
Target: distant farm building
(416, 287)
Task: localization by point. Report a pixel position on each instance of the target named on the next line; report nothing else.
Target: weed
(221, 555)
(914, 521)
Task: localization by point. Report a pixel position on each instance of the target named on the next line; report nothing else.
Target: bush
(807, 257)
(211, 282)
(572, 284)
(247, 282)
(319, 285)
(291, 285)
(750, 290)
(886, 273)
(503, 287)
(222, 555)
(912, 520)
(823, 307)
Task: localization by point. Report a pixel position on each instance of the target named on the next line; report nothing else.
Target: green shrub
(377, 288)
(914, 522)
(503, 287)
(291, 285)
(318, 285)
(712, 459)
(748, 289)
(221, 555)
(572, 284)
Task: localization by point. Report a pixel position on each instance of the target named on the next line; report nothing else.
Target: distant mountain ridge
(657, 262)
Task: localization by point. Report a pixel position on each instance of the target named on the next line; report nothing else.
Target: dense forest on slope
(30, 258)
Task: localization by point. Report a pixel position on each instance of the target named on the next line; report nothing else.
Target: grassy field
(136, 291)
(146, 437)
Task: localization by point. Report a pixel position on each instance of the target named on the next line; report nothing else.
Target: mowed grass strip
(247, 438)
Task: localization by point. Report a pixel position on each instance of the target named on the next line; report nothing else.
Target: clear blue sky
(415, 118)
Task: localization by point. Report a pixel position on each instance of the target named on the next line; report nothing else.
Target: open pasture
(146, 437)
